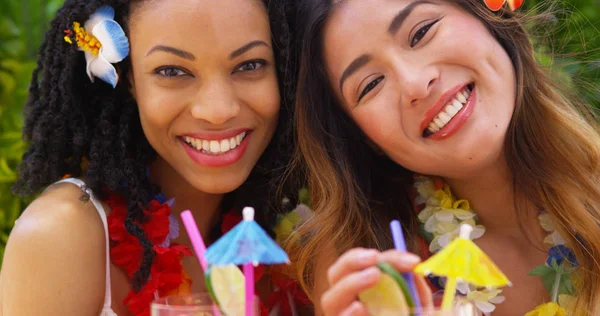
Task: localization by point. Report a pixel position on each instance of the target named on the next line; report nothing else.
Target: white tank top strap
(106, 308)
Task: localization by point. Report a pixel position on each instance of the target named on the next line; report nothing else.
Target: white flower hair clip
(104, 43)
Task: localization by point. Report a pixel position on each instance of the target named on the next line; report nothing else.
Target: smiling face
(205, 82)
(424, 80)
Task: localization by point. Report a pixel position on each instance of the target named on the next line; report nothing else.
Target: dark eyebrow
(402, 15)
(353, 67)
(172, 50)
(247, 47)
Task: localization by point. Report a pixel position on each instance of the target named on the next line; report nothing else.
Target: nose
(216, 103)
(416, 80)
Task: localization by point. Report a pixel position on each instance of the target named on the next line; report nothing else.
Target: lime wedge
(226, 287)
(390, 296)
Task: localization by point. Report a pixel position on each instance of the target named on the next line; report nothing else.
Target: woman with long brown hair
(393, 89)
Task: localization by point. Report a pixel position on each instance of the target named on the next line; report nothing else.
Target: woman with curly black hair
(145, 106)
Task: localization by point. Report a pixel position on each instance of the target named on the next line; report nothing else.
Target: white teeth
(433, 127)
(439, 123)
(457, 104)
(449, 111)
(215, 146)
(225, 145)
(444, 117)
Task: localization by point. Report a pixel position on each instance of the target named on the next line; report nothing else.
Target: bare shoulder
(54, 263)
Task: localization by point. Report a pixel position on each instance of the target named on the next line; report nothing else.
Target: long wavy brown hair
(552, 148)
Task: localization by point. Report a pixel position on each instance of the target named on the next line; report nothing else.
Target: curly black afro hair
(70, 120)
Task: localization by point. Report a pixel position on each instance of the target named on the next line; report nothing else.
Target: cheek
(158, 107)
(378, 124)
(465, 41)
(263, 99)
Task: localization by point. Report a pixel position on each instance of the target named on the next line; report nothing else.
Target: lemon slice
(226, 287)
(390, 296)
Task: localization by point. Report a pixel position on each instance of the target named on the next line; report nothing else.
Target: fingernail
(410, 259)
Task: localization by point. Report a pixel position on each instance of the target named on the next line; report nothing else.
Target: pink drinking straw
(249, 276)
(198, 244)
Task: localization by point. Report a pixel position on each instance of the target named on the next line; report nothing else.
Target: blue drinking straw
(400, 245)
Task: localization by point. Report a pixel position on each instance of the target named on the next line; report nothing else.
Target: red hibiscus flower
(496, 5)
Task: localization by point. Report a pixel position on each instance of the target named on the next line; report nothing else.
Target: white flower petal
(115, 46)
(103, 13)
(420, 200)
(445, 215)
(424, 186)
(557, 239)
(463, 215)
(462, 287)
(303, 211)
(88, 60)
(101, 68)
(485, 306)
(435, 246)
(425, 214)
(431, 224)
(497, 299)
(477, 232)
(546, 222)
(445, 239)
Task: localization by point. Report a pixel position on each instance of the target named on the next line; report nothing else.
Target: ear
(131, 83)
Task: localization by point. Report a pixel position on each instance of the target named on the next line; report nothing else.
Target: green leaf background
(23, 23)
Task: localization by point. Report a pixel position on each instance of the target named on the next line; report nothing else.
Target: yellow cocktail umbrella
(462, 260)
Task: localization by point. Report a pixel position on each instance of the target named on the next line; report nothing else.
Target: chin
(223, 185)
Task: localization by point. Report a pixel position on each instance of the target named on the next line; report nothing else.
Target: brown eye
(420, 33)
(170, 72)
(252, 65)
(370, 86)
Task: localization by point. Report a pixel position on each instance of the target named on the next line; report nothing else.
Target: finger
(352, 261)
(400, 260)
(343, 293)
(425, 293)
(356, 309)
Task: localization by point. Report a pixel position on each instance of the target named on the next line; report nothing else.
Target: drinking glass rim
(205, 302)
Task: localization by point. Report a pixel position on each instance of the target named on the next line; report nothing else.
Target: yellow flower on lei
(548, 309)
(485, 300)
(443, 214)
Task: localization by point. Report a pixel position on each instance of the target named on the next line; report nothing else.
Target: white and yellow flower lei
(442, 217)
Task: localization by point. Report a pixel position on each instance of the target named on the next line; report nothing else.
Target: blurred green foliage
(572, 43)
(576, 37)
(22, 27)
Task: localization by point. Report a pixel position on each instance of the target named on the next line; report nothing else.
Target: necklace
(441, 215)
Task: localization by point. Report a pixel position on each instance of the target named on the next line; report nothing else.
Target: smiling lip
(217, 160)
(457, 121)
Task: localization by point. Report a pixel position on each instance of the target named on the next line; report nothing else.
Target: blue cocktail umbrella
(247, 244)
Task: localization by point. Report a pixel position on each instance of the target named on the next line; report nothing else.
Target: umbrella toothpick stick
(450, 289)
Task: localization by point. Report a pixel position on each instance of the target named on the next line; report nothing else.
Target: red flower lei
(167, 276)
